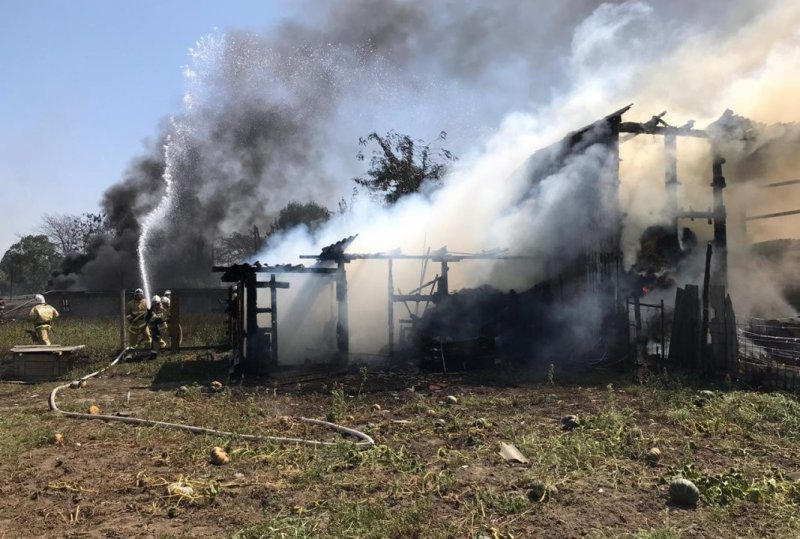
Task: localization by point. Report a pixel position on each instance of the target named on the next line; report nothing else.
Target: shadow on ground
(201, 371)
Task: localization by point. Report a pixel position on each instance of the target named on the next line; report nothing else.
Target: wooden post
(676, 338)
(342, 323)
(637, 314)
(720, 226)
(122, 333)
(704, 325)
(693, 324)
(390, 288)
(716, 327)
(240, 337)
(663, 333)
(671, 180)
(443, 287)
(628, 326)
(251, 352)
(732, 339)
(230, 317)
(273, 304)
(174, 327)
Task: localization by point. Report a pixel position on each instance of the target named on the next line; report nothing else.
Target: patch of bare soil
(435, 473)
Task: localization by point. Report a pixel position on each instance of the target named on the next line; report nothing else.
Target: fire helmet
(39, 298)
(167, 293)
(156, 299)
(165, 300)
(138, 293)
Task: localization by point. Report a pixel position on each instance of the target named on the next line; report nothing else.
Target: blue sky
(84, 83)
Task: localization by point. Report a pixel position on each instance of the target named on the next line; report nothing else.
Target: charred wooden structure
(433, 292)
(256, 347)
(717, 215)
(591, 268)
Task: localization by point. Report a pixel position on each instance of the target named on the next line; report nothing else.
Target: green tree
(401, 165)
(29, 263)
(237, 247)
(295, 214)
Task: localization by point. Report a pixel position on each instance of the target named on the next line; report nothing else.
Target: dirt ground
(435, 471)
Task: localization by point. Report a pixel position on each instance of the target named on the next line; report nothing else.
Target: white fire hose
(365, 441)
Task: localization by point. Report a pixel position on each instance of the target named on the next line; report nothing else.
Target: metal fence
(769, 353)
(758, 352)
(648, 331)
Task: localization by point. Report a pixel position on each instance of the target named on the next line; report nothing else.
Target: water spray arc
(158, 214)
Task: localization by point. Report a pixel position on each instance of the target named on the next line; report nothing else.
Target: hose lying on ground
(364, 439)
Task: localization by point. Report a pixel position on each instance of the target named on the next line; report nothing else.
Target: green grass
(22, 431)
(435, 470)
(102, 335)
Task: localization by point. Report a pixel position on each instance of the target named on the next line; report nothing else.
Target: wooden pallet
(39, 363)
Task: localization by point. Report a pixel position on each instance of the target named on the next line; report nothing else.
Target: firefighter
(157, 324)
(136, 315)
(41, 315)
(165, 303)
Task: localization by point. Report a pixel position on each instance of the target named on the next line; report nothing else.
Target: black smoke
(267, 116)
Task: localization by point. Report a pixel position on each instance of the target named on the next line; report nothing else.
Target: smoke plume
(272, 118)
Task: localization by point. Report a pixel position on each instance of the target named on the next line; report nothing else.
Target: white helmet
(165, 300)
(138, 292)
(156, 299)
(39, 298)
(167, 293)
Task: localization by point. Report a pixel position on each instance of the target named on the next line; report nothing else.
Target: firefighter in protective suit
(157, 324)
(166, 303)
(136, 315)
(42, 315)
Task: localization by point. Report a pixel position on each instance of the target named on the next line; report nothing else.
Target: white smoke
(676, 58)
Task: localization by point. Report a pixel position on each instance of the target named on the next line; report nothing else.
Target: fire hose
(365, 441)
(18, 307)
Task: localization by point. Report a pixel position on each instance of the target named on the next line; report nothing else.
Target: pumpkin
(570, 422)
(219, 456)
(683, 492)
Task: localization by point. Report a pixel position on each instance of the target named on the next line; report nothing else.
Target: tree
(29, 263)
(295, 214)
(72, 234)
(402, 165)
(237, 247)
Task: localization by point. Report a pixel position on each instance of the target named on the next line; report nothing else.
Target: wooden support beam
(278, 270)
(771, 215)
(272, 284)
(671, 179)
(637, 316)
(444, 287)
(419, 288)
(720, 223)
(693, 214)
(390, 307)
(649, 129)
(342, 322)
(252, 351)
(704, 355)
(779, 184)
(413, 297)
(273, 309)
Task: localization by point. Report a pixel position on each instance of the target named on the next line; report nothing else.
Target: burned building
(575, 307)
